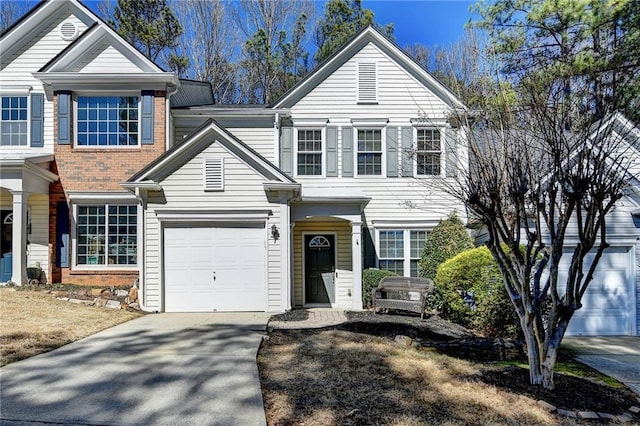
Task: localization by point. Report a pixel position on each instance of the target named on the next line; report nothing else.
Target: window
(13, 121)
(107, 120)
(401, 250)
(428, 152)
(310, 152)
(392, 251)
(370, 152)
(107, 235)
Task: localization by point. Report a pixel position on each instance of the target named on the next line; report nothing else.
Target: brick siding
(97, 170)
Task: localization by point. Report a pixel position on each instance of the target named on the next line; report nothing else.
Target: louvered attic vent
(214, 174)
(367, 82)
(68, 31)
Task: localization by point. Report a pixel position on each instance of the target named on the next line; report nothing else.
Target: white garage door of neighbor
(209, 269)
(608, 303)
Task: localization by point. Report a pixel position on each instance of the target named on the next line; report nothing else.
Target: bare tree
(11, 11)
(210, 44)
(532, 181)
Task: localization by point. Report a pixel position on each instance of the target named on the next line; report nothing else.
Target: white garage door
(209, 269)
(608, 303)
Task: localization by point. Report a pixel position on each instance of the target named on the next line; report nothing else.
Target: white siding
(105, 57)
(16, 69)
(400, 96)
(183, 190)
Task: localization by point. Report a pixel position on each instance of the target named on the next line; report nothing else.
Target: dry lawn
(33, 322)
(335, 377)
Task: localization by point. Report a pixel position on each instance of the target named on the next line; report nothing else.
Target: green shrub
(370, 280)
(448, 238)
(475, 271)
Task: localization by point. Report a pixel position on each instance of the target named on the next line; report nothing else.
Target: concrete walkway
(160, 369)
(617, 357)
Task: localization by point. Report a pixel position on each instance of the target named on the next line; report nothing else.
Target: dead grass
(334, 377)
(33, 322)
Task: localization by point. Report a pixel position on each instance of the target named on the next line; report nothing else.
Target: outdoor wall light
(275, 234)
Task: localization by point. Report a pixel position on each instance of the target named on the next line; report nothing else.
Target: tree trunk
(542, 360)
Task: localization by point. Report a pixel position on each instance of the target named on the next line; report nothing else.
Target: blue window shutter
(286, 150)
(451, 157)
(147, 117)
(392, 152)
(62, 235)
(407, 152)
(332, 151)
(347, 151)
(368, 248)
(37, 120)
(64, 118)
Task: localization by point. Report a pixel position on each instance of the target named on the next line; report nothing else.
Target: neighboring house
(269, 208)
(81, 111)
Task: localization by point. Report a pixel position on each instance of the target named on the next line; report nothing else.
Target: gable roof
(367, 35)
(195, 143)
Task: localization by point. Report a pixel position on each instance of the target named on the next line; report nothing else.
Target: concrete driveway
(161, 369)
(617, 357)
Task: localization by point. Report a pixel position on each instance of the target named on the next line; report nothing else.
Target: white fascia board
(147, 185)
(103, 81)
(190, 215)
(230, 112)
(100, 197)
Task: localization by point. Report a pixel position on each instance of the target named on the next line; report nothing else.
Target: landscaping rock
(635, 410)
(587, 415)
(76, 301)
(403, 340)
(122, 293)
(544, 404)
(133, 293)
(100, 302)
(624, 418)
(96, 291)
(606, 416)
(64, 299)
(113, 304)
(567, 413)
(134, 305)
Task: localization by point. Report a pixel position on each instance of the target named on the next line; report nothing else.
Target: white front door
(209, 269)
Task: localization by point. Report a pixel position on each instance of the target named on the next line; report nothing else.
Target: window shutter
(367, 82)
(407, 152)
(147, 113)
(62, 234)
(347, 152)
(368, 249)
(64, 118)
(37, 120)
(451, 156)
(332, 151)
(214, 174)
(286, 150)
(392, 152)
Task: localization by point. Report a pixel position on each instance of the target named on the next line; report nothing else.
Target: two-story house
(268, 208)
(81, 111)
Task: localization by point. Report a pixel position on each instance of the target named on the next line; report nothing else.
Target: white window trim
(322, 126)
(406, 236)
(383, 147)
(106, 94)
(27, 94)
(88, 201)
(442, 131)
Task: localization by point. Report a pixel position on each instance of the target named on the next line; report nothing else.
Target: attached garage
(215, 268)
(609, 302)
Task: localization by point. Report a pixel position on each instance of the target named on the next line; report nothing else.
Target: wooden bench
(404, 293)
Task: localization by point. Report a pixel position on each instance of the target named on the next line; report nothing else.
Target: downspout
(167, 114)
(142, 282)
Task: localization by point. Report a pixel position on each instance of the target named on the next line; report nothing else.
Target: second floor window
(370, 152)
(13, 121)
(309, 152)
(428, 152)
(108, 120)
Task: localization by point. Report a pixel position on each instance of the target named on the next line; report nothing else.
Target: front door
(320, 266)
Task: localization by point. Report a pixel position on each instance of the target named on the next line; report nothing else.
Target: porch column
(285, 256)
(356, 262)
(19, 236)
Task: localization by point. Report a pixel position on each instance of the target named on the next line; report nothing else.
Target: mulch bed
(571, 393)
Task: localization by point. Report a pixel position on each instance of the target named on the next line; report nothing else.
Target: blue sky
(430, 22)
